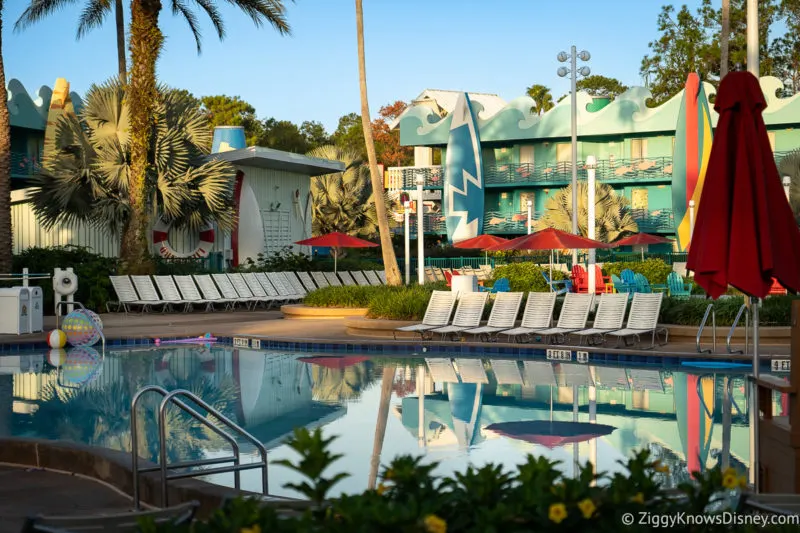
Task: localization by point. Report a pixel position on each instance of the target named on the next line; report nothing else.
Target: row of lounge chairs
(537, 318)
(435, 274)
(249, 289)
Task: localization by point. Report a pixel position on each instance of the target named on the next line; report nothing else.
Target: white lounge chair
(295, 283)
(283, 287)
(538, 315)
(211, 293)
(503, 316)
(333, 279)
(573, 317)
(360, 278)
(440, 307)
(468, 315)
(643, 319)
(610, 316)
(320, 279)
(372, 277)
(191, 294)
(258, 290)
(307, 282)
(347, 279)
(235, 287)
(170, 293)
(148, 293)
(269, 288)
(381, 276)
(126, 295)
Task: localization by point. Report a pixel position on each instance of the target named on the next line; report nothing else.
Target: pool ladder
(168, 470)
(709, 311)
(746, 311)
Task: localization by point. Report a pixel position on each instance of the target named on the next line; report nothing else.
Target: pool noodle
(195, 340)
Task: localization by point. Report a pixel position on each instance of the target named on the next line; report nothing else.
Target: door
(563, 155)
(638, 148)
(526, 154)
(639, 200)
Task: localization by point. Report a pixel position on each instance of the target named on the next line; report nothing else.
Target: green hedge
(525, 276)
(384, 302)
(535, 496)
(655, 270)
(775, 310)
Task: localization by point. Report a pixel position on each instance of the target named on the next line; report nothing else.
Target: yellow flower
(730, 481)
(254, 529)
(639, 498)
(587, 507)
(381, 489)
(558, 512)
(434, 524)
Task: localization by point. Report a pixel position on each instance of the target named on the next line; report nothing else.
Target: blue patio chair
(642, 283)
(678, 287)
(559, 286)
(501, 285)
(628, 277)
(622, 287)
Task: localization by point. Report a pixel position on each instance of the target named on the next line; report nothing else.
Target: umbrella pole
(575, 451)
(335, 260)
(755, 462)
(551, 273)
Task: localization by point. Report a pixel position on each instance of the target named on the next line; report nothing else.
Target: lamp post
(420, 232)
(530, 216)
(573, 71)
(591, 169)
(407, 217)
(752, 37)
(691, 219)
(787, 184)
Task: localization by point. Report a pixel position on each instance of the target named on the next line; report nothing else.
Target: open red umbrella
(337, 240)
(481, 242)
(550, 433)
(640, 239)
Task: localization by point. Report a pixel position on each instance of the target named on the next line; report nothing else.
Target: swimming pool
(456, 411)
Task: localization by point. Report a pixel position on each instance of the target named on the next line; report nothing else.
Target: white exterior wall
(269, 186)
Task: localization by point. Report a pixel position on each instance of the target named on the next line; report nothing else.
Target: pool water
(455, 411)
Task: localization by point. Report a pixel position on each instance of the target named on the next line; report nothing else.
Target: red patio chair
(777, 288)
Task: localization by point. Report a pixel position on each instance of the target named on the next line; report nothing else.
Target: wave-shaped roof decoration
(27, 112)
(628, 114)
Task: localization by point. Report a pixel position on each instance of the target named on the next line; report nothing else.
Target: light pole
(591, 169)
(573, 71)
(752, 37)
(530, 216)
(420, 232)
(787, 185)
(406, 215)
(691, 219)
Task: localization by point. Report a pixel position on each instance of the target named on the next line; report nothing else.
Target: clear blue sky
(499, 46)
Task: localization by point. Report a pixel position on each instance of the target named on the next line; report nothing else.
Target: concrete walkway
(28, 492)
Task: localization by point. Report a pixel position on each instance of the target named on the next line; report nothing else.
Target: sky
(498, 47)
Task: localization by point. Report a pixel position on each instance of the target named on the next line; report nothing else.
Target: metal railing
(655, 169)
(163, 467)
(25, 164)
(746, 311)
(709, 310)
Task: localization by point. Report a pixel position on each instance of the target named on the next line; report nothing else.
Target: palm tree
(724, 39)
(389, 259)
(380, 426)
(87, 178)
(5, 168)
(542, 98)
(92, 16)
(612, 214)
(343, 201)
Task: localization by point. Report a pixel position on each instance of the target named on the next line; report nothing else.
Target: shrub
(775, 310)
(385, 302)
(655, 270)
(94, 287)
(284, 260)
(526, 277)
(535, 496)
(348, 296)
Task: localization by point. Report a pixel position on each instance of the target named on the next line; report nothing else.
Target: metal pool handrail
(171, 398)
(709, 310)
(746, 311)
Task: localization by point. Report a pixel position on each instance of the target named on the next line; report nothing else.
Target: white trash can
(462, 284)
(37, 309)
(15, 309)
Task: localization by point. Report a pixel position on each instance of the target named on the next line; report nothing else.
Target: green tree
(88, 177)
(315, 134)
(785, 49)
(343, 201)
(542, 98)
(601, 86)
(282, 135)
(5, 168)
(349, 135)
(223, 110)
(612, 213)
(93, 15)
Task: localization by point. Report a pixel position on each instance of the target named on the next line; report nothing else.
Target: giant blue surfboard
(463, 179)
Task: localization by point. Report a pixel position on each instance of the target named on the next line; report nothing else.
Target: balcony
(505, 223)
(652, 169)
(24, 165)
(661, 220)
(406, 177)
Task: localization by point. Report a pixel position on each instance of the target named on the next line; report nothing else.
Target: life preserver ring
(161, 240)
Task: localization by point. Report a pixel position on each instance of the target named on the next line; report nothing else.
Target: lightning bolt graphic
(464, 229)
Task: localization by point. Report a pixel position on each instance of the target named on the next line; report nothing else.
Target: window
(639, 200)
(564, 153)
(523, 200)
(638, 148)
(526, 154)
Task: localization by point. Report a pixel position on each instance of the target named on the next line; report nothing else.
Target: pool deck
(271, 325)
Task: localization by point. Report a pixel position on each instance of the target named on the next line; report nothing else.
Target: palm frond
(213, 14)
(180, 8)
(37, 10)
(260, 11)
(93, 16)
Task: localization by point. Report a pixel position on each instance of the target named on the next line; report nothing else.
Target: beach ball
(80, 328)
(81, 365)
(57, 357)
(57, 339)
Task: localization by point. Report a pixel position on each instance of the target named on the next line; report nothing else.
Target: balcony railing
(654, 221)
(560, 173)
(497, 222)
(24, 164)
(406, 177)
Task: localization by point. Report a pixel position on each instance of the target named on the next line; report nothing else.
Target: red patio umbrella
(481, 242)
(549, 239)
(640, 239)
(337, 240)
(745, 233)
(334, 362)
(550, 433)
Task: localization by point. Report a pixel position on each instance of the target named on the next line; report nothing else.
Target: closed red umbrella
(550, 433)
(481, 242)
(640, 239)
(337, 240)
